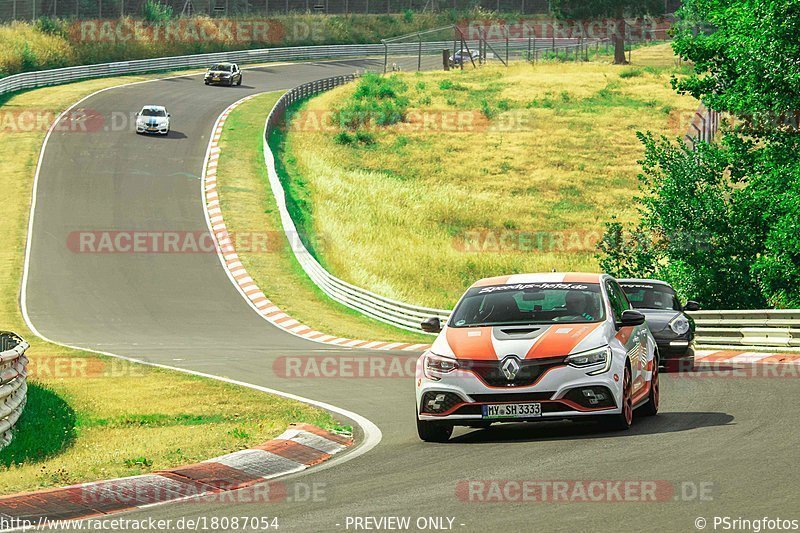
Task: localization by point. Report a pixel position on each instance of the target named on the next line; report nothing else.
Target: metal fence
(427, 49)
(13, 384)
(400, 314)
(703, 127)
(32, 9)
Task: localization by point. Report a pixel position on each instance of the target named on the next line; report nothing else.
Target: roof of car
(156, 107)
(642, 280)
(544, 277)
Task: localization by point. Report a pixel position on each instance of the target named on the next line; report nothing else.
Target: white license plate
(512, 410)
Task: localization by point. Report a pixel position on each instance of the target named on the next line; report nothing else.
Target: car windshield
(647, 296)
(148, 112)
(529, 303)
(223, 68)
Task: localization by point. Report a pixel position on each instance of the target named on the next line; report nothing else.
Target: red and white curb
(742, 357)
(299, 447)
(238, 274)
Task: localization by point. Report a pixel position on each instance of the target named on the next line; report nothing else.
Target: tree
(744, 54)
(724, 219)
(613, 9)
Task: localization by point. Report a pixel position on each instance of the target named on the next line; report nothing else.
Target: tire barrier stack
(13, 383)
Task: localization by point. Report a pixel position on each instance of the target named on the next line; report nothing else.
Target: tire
(239, 83)
(205, 82)
(623, 420)
(433, 431)
(654, 396)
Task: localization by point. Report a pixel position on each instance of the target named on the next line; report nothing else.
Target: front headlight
(594, 357)
(680, 325)
(436, 365)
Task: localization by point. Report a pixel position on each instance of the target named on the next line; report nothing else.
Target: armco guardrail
(758, 328)
(13, 383)
(398, 314)
(30, 80)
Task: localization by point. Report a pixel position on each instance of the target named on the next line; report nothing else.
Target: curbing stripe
(305, 446)
(238, 274)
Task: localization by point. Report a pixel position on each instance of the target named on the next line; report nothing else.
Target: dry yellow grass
(393, 216)
(92, 417)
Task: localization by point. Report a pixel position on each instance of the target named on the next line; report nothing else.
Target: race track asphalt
(736, 434)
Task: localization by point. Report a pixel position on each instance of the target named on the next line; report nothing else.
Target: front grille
(491, 372)
(436, 402)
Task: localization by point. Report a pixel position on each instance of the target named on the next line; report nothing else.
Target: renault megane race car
(153, 119)
(537, 346)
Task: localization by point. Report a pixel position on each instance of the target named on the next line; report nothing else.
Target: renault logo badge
(510, 368)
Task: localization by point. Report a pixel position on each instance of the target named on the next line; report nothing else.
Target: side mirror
(431, 325)
(631, 318)
(691, 305)
(168, 115)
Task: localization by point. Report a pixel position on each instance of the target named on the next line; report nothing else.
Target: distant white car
(153, 119)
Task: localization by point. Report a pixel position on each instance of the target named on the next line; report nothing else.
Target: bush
(365, 137)
(487, 109)
(343, 138)
(376, 101)
(52, 26)
(154, 11)
(631, 72)
(449, 85)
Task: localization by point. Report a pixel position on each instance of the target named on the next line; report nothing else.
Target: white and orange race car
(529, 347)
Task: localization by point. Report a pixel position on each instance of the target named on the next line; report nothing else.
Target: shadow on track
(566, 430)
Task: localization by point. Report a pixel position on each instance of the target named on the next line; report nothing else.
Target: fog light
(591, 397)
(435, 402)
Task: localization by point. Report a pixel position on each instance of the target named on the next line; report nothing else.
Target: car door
(633, 338)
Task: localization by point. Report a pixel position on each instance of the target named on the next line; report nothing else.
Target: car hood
(526, 342)
(658, 319)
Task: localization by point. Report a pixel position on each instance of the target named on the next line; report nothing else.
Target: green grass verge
(545, 155)
(90, 417)
(248, 206)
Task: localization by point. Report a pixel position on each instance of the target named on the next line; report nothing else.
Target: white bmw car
(153, 119)
(530, 347)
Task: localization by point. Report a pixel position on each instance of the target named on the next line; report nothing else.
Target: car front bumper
(163, 129)
(558, 390)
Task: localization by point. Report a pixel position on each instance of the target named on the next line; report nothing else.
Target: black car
(223, 74)
(672, 329)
